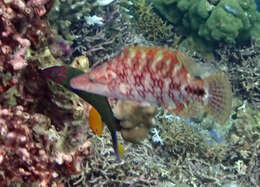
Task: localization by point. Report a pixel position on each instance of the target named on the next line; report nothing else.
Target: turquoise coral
(229, 21)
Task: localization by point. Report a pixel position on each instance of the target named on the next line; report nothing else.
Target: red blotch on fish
(162, 77)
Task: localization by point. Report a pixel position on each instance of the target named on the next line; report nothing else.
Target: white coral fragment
(104, 2)
(92, 20)
(156, 137)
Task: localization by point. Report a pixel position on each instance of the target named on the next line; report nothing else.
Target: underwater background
(47, 134)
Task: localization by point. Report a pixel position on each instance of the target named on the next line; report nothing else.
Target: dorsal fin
(193, 68)
(187, 62)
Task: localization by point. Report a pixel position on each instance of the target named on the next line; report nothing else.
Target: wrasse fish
(62, 75)
(162, 77)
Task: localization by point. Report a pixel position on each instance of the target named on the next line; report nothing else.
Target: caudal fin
(219, 100)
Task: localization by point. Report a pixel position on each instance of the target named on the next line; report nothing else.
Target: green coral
(232, 20)
(228, 21)
(149, 24)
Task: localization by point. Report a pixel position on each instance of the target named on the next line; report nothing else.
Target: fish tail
(219, 97)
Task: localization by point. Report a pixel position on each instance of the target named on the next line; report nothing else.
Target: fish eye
(91, 78)
(197, 77)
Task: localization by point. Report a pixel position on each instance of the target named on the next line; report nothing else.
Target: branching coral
(244, 141)
(149, 24)
(65, 13)
(138, 166)
(193, 158)
(243, 68)
(187, 140)
(75, 22)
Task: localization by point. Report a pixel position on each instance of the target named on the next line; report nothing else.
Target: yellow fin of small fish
(95, 121)
(121, 149)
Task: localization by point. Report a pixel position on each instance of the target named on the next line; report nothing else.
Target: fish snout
(80, 82)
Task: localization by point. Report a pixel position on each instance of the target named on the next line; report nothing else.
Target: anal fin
(186, 110)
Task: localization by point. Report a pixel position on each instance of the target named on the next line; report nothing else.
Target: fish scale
(145, 67)
(162, 77)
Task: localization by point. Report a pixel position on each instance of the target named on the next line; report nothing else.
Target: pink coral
(22, 25)
(29, 151)
(28, 154)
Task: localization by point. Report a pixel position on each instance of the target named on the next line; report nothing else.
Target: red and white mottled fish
(160, 76)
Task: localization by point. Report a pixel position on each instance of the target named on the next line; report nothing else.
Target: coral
(47, 121)
(50, 118)
(22, 26)
(138, 166)
(244, 141)
(186, 138)
(95, 31)
(135, 119)
(232, 21)
(56, 122)
(243, 69)
(192, 158)
(29, 150)
(187, 157)
(64, 14)
(226, 21)
(149, 24)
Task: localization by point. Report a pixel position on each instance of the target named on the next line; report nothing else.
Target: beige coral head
(136, 119)
(133, 111)
(135, 135)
